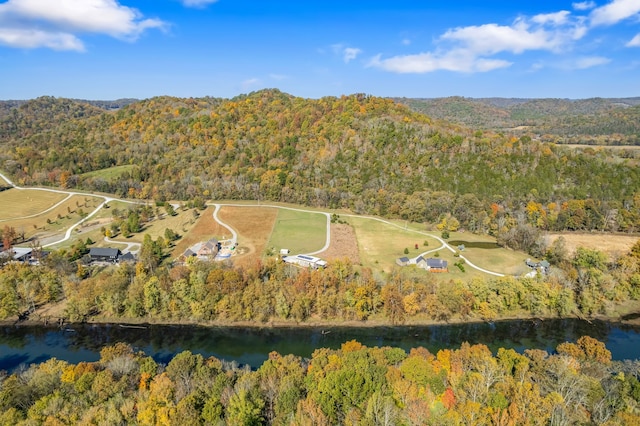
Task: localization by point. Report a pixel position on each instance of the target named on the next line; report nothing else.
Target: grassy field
(483, 251)
(381, 243)
(612, 245)
(18, 203)
(111, 172)
(300, 232)
(55, 221)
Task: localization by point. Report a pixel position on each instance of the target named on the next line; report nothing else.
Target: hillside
(362, 153)
(598, 121)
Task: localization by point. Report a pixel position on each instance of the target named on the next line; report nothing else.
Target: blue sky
(109, 49)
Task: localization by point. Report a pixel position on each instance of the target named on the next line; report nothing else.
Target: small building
(402, 261)
(305, 261)
(421, 262)
(104, 254)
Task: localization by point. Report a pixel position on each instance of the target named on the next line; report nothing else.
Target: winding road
(234, 235)
(69, 194)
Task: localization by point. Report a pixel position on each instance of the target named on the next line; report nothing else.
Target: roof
(104, 252)
(20, 252)
(128, 256)
(403, 259)
(436, 263)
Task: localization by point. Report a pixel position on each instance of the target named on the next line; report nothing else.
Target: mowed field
(299, 232)
(48, 221)
(17, 203)
(611, 244)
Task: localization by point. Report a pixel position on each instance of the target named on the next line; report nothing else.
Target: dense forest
(353, 385)
(595, 121)
(366, 154)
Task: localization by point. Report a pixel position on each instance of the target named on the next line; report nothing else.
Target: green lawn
(380, 244)
(300, 232)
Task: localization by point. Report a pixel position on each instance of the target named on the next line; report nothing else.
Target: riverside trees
(578, 384)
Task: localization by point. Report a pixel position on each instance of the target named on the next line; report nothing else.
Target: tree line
(356, 385)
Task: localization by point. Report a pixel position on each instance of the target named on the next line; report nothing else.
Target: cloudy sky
(109, 49)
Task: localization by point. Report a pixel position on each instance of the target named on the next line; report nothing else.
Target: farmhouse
(433, 264)
(104, 254)
(206, 250)
(305, 261)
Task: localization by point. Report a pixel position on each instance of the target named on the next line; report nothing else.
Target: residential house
(104, 254)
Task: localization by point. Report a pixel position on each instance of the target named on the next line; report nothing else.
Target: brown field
(253, 225)
(17, 203)
(611, 244)
(344, 244)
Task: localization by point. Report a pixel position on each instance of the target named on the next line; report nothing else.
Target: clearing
(611, 244)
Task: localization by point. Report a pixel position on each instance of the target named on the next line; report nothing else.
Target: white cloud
(557, 18)
(634, 42)
(350, 53)
(457, 60)
(584, 5)
(614, 12)
(55, 24)
(32, 38)
(589, 62)
(198, 3)
(406, 42)
(471, 49)
(347, 53)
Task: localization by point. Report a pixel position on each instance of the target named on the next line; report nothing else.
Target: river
(24, 345)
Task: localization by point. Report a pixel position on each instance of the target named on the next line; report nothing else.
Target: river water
(24, 345)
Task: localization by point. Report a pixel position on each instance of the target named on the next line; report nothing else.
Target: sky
(111, 49)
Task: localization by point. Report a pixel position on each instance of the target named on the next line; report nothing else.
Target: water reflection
(28, 344)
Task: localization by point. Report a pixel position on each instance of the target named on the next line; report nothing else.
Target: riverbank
(627, 313)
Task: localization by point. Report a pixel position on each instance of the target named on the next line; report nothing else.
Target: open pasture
(611, 244)
(18, 203)
(382, 243)
(58, 219)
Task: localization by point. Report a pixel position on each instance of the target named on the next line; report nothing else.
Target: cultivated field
(253, 225)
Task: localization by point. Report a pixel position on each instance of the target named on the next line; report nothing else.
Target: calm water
(27, 344)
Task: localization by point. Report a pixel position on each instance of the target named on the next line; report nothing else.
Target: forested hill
(360, 152)
(597, 121)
